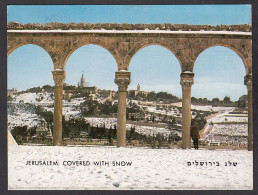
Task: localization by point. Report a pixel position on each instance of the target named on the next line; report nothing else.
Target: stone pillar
(59, 77)
(186, 82)
(123, 79)
(248, 83)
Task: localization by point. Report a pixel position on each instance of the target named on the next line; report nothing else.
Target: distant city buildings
(85, 85)
(11, 92)
(134, 93)
(82, 82)
(67, 94)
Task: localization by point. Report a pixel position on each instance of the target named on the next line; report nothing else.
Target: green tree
(19, 133)
(48, 88)
(9, 98)
(215, 100)
(32, 131)
(227, 100)
(151, 96)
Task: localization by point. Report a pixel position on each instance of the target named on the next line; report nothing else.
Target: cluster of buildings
(11, 92)
(43, 131)
(93, 90)
(67, 94)
(138, 92)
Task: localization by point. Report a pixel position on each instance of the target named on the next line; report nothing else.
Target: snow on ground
(31, 98)
(145, 130)
(222, 109)
(94, 122)
(23, 119)
(70, 112)
(74, 102)
(22, 114)
(234, 133)
(230, 129)
(50, 109)
(45, 99)
(151, 169)
(225, 127)
(228, 118)
(206, 107)
(173, 112)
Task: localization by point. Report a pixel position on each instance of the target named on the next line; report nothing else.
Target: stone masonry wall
(125, 26)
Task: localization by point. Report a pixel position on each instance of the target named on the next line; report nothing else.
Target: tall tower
(138, 87)
(82, 84)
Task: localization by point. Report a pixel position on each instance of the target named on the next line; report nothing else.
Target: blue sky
(154, 67)
(190, 14)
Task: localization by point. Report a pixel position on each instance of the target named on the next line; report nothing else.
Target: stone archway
(103, 43)
(243, 51)
(17, 44)
(34, 48)
(123, 41)
(145, 44)
(159, 70)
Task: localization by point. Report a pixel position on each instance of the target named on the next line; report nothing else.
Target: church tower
(138, 87)
(82, 84)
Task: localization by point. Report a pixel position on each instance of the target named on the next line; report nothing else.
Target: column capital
(59, 77)
(123, 79)
(248, 82)
(187, 79)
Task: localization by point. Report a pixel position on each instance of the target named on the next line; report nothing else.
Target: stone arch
(138, 48)
(95, 62)
(234, 49)
(149, 58)
(46, 65)
(12, 47)
(16, 46)
(106, 47)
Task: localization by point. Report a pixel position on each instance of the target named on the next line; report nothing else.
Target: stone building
(42, 130)
(138, 88)
(134, 93)
(186, 42)
(91, 90)
(67, 94)
(82, 82)
(11, 92)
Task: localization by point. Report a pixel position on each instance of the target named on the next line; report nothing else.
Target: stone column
(186, 82)
(59, 77)
(248, 83)
(123, 79)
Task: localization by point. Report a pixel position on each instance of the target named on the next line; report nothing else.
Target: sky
(219, 71)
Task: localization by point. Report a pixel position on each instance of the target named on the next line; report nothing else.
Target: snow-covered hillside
(224, 125)
(35, 98)
(207, 107)
(227, 128)
(145, 130)
(23, 119)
